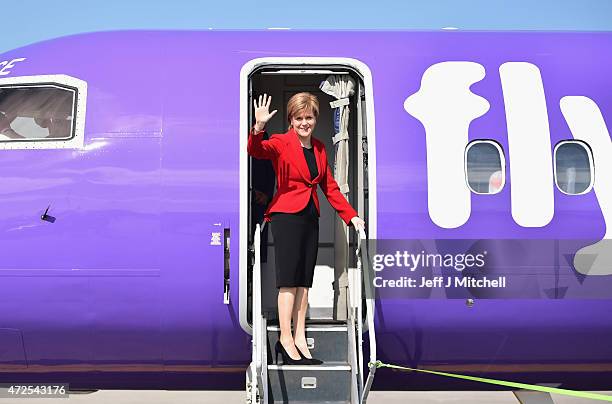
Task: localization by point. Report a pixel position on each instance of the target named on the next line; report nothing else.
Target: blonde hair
(300, 102)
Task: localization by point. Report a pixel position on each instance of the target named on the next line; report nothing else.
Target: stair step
(328, 343)
(312, 321)
(309, 384)
(316, 327)
(325, 366)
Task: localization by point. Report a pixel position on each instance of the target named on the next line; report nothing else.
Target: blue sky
(27, 21)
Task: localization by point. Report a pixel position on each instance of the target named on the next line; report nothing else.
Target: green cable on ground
(573, 393)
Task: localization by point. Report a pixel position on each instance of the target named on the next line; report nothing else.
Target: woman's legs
(286, 301)
(299, 320)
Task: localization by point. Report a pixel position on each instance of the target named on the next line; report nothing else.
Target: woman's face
(304, 122)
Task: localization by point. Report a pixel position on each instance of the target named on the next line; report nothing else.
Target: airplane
(124, 175)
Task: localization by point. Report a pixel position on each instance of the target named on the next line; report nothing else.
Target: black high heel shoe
(309, 361)
(287, 360)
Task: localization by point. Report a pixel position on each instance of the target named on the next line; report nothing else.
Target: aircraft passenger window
(485, 167)
(36, 112)
(573, 167)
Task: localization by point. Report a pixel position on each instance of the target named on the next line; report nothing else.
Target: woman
(300, 163)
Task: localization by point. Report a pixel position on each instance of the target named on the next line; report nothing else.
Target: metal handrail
(358, 305)
(256, 319)
(365, 269)
(355, 342)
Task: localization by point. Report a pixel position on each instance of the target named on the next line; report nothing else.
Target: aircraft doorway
(336, 259)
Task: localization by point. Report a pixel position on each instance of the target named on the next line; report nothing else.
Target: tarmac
(238, 397)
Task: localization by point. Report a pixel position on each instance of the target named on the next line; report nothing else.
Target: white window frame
(245, 71)
(60, 81)
(502, 160)
(586, 147)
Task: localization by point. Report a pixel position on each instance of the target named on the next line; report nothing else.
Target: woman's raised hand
(262, 114)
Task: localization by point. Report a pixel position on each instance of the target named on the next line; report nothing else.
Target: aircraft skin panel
(137, 209)
(201, 194)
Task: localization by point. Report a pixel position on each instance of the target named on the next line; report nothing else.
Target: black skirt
(296, 243)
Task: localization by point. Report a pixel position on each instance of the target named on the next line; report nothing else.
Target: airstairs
(340, 379)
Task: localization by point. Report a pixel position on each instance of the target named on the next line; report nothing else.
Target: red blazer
(293, 184)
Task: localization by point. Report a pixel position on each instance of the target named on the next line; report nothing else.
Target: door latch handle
(46, 217)
(226, 266)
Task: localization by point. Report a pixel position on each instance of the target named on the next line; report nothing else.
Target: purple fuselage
(124, 290)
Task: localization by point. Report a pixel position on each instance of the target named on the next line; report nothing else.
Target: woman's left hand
(358, 223)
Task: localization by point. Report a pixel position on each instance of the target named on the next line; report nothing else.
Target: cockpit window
(36, 112)
(485, 167)
(573, 167)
